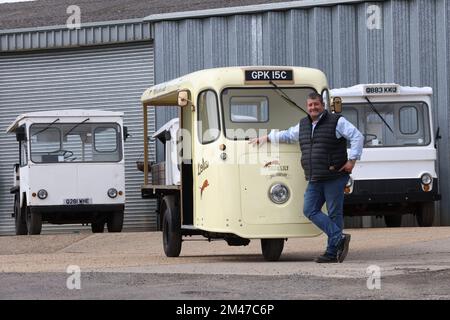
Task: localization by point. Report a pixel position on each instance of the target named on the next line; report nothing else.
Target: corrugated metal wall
(110, 78)
(87, 35)
(412, 47)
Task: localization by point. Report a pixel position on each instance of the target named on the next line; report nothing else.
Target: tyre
(393, 220)
(98, 223)
(272, 248)
(34, 221)
(425, 216)
(114, 222)
(171, 227)
(19, 216)
(97, 227)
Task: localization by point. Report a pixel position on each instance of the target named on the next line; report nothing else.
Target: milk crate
(159, 173)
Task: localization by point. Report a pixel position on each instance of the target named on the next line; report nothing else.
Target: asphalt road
(405, 263)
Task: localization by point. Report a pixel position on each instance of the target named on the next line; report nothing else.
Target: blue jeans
(331, 192)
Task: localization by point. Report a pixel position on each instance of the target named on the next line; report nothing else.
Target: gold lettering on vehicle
(274, 165)
(274, 169)
(279, 174)
(202, 166)
(278, 168)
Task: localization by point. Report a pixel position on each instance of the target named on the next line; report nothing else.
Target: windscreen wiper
(40, 131)
(285, 96)
(376, 111)
(73, 128)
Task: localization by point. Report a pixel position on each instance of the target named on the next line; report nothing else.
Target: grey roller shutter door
(109, 78)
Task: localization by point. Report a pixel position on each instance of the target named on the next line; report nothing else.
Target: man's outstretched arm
(285, 136)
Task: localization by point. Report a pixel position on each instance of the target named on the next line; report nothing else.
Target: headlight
(112, 193)
(42, 194)
(426, 178)
(279, 193)
(349, 182)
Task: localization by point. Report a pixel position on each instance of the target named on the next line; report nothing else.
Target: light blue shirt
(343, 129)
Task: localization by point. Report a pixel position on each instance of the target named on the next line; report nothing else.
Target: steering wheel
(369, 137)
(66, 154)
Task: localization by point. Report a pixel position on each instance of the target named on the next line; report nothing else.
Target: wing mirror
(336, 105)
(21, 134)
(183, 98)
(125, 133)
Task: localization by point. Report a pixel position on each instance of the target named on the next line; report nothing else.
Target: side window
(409, 122)
(208, 117)
(23, 153)
(351, 115)
(105, 139)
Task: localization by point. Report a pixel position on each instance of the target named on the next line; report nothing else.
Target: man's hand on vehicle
(348, 166)
(259, 141)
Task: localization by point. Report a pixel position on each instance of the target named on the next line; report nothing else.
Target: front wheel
(34, 221)
(98, 223)
(425, 216)
(114, 222)
(272, 248)
(19, 216)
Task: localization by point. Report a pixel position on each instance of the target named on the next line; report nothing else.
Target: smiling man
(323, 142)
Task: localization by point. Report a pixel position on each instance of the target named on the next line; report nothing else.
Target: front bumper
(63, 214)
(94, 208)
(391, 191)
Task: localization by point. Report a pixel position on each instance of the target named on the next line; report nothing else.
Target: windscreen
(75, 142)
(251, 112)
(390, 124)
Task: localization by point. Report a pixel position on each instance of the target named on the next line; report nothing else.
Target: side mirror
(21, 134)
(183, 98)
(336, 105)
(437, 137)
(326, 98)
(125, 133)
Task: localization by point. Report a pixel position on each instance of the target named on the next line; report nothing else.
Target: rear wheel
(114, 222)
(425, 216)
(171, 227)
(34, 221)
(272, 248)
(19, 216)
(393, 220)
